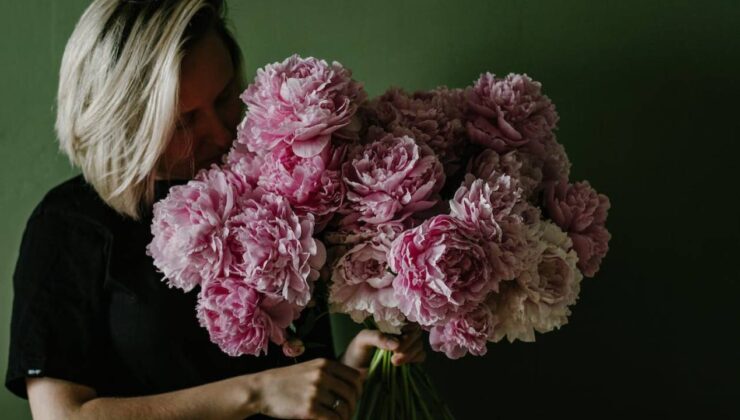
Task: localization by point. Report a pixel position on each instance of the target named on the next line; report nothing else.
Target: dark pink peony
(191, 242)
(508, 113)
(240, 319)
(442, 270)
(302, 103)
(311, 185)
(434, 118)
(390, 179)
(581, 211)
(490, 164)
(276, 247)
(464, 333)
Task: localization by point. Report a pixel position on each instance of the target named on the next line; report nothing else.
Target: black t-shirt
(90, 307)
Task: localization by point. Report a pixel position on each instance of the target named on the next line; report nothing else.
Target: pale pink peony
(442, 270)
(581, 212)
(485, 204)
(390, 179)
(311, 185)
(191, 242)
(277, 247)
(539, 299)
(489, 164)
(302, 103)
(240, 319)
(508, 113)
(464, 333)
(362, 286)
(434, 118)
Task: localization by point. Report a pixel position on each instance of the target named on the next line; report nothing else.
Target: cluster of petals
(241, 320)
(490, 164)
(362, 285)
(540, 297)
(390, 179)
(434, 118)
(508, 113)
(441, 269)
(300, 102)
(464, 333)
(581, 211)
(312, 185)
(190, 235)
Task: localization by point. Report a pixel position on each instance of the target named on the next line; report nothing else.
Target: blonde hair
(118, 90)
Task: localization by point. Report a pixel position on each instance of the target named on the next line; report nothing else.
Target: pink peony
(390, 179)
(442, 270)
(485, 204)
(550, 157)
(434, 118)
(311, 185)
(490, 164)
(240, 319)
(276, 248)
(302, 103)
(190, 242)
(508, 113)
(464, 333)
(362, 286)
(581, 212)
(244, 163)
(539, 299)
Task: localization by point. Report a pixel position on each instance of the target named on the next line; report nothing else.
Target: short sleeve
(56, 319)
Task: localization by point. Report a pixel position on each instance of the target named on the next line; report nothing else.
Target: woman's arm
(317, 389)
(231, 398)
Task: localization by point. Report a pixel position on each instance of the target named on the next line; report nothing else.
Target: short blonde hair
(118, 90)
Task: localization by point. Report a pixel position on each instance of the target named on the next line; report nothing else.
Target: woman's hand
(406, 348)
(308, 390)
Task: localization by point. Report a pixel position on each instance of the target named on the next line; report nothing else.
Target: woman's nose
(217, 131)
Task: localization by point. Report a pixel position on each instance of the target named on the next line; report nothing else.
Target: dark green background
(647, 94)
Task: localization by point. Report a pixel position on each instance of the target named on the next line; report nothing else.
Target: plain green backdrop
(647, 92)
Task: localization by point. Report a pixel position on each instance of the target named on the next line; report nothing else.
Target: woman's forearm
(233, 398)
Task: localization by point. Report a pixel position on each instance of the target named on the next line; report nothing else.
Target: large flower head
(508, 113)
(190, 242)
(362, 285)
(300, 102)
(240, 319)
(390, 179)
(442, 270)
(485, 204)
(489, 165)
(311, 185)
(581, 212)
(277, 248)
(539, 299)
(464, 333)
(434, 118)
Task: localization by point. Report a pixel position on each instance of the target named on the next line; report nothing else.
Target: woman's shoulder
(77, 201)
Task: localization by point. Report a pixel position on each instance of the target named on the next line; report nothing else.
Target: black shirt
(90, 307)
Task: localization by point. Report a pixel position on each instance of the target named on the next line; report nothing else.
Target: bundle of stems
(399, 392)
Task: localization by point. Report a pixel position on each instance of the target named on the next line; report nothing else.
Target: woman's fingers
(351, 376)
(337, 388)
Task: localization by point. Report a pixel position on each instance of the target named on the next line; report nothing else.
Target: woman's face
(208, 112)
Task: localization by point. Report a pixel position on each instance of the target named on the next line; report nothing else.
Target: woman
(148, 95)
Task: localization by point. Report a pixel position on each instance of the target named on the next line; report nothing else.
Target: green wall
(647, 95)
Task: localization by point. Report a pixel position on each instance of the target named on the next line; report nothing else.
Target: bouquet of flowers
(451, 209)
